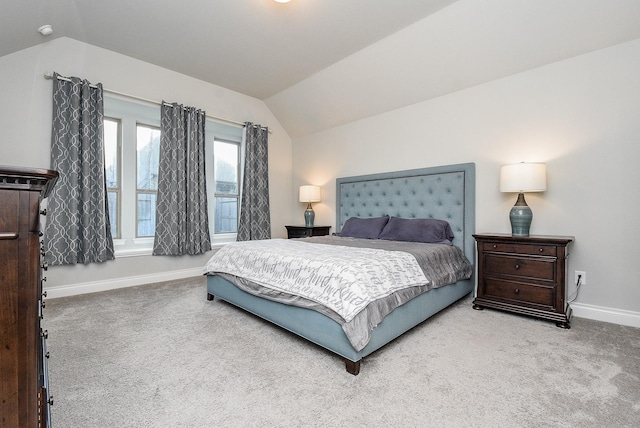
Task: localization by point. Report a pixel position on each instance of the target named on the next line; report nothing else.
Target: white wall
(580, 116)
(25, 121)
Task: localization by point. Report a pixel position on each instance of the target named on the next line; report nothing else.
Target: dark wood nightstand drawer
(540, 250)
(527, 267)
(298, 233)
(305, 232)
(523, 293)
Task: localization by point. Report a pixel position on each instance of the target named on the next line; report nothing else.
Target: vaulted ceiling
(322, 63)
(256, 47)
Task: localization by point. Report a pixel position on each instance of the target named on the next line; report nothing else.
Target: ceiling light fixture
(45, 30)
(282, 1)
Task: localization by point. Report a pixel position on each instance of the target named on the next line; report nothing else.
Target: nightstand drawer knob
(495, 246)
(517, 266)
(541, 250)
(517, 291)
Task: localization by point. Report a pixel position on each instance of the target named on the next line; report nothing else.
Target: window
(132, 148)
(226, 160)
(223, 151)
(148, 155)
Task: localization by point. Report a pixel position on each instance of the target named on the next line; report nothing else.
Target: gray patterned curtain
(182, 222)
(255, 220)
(77, 228)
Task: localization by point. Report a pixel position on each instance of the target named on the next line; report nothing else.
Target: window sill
(133, 252)
(140, 247)
(144, 246)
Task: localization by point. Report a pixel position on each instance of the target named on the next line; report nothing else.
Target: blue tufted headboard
(442, 192)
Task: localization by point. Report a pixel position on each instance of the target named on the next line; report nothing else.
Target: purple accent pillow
(417, 230)
(367, 228)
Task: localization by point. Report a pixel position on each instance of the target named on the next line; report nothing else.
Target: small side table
(305, 232)
(524, 275)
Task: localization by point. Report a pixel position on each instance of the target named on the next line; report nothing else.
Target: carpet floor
(161, 355)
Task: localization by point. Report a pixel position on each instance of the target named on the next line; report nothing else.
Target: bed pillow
(368, 228)
(427, 230)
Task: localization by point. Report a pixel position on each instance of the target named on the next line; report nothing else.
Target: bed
(443, 192)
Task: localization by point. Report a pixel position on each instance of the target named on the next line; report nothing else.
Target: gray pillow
(427, 230)
(367, 228)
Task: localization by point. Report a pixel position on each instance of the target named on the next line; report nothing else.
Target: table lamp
(309, 194)
(522, 177)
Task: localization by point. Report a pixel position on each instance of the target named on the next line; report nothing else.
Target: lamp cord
(578, 284)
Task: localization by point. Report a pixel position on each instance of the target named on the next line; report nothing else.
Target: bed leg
(209, 296)
(353, 367)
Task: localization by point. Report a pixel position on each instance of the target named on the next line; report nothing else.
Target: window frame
(140, 191)
(117, 190)
(130, 113)
(229, 235)
(216, 131)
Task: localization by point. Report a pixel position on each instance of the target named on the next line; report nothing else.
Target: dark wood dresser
(24, 395)
(305, 232)
(524, 275)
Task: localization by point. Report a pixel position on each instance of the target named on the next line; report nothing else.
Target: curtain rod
(49, 76)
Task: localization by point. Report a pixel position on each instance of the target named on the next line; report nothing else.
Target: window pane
(146, 214)
(113, 213)
(226, 167)
(226, 211)
(111, 151)
(148, 155)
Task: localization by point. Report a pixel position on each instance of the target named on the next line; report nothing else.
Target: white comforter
(344, 279)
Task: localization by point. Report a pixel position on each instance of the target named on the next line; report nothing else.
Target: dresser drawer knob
(541, 250)
(495, 246)
(517, 266)
(517, 291)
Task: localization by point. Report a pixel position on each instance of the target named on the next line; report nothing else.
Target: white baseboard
(112, 284)
(599, 313)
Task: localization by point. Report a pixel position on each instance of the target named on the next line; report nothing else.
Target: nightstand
(305, 232)
(524, 275)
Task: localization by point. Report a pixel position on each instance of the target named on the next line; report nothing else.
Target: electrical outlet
(583, 277)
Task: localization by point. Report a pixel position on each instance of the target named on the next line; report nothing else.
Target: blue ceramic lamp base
(309, 216)
(520, 217)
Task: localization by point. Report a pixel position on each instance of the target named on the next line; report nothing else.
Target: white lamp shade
(523, 177)
(310, 194)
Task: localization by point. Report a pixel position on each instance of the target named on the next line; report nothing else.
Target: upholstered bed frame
(444, 192)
